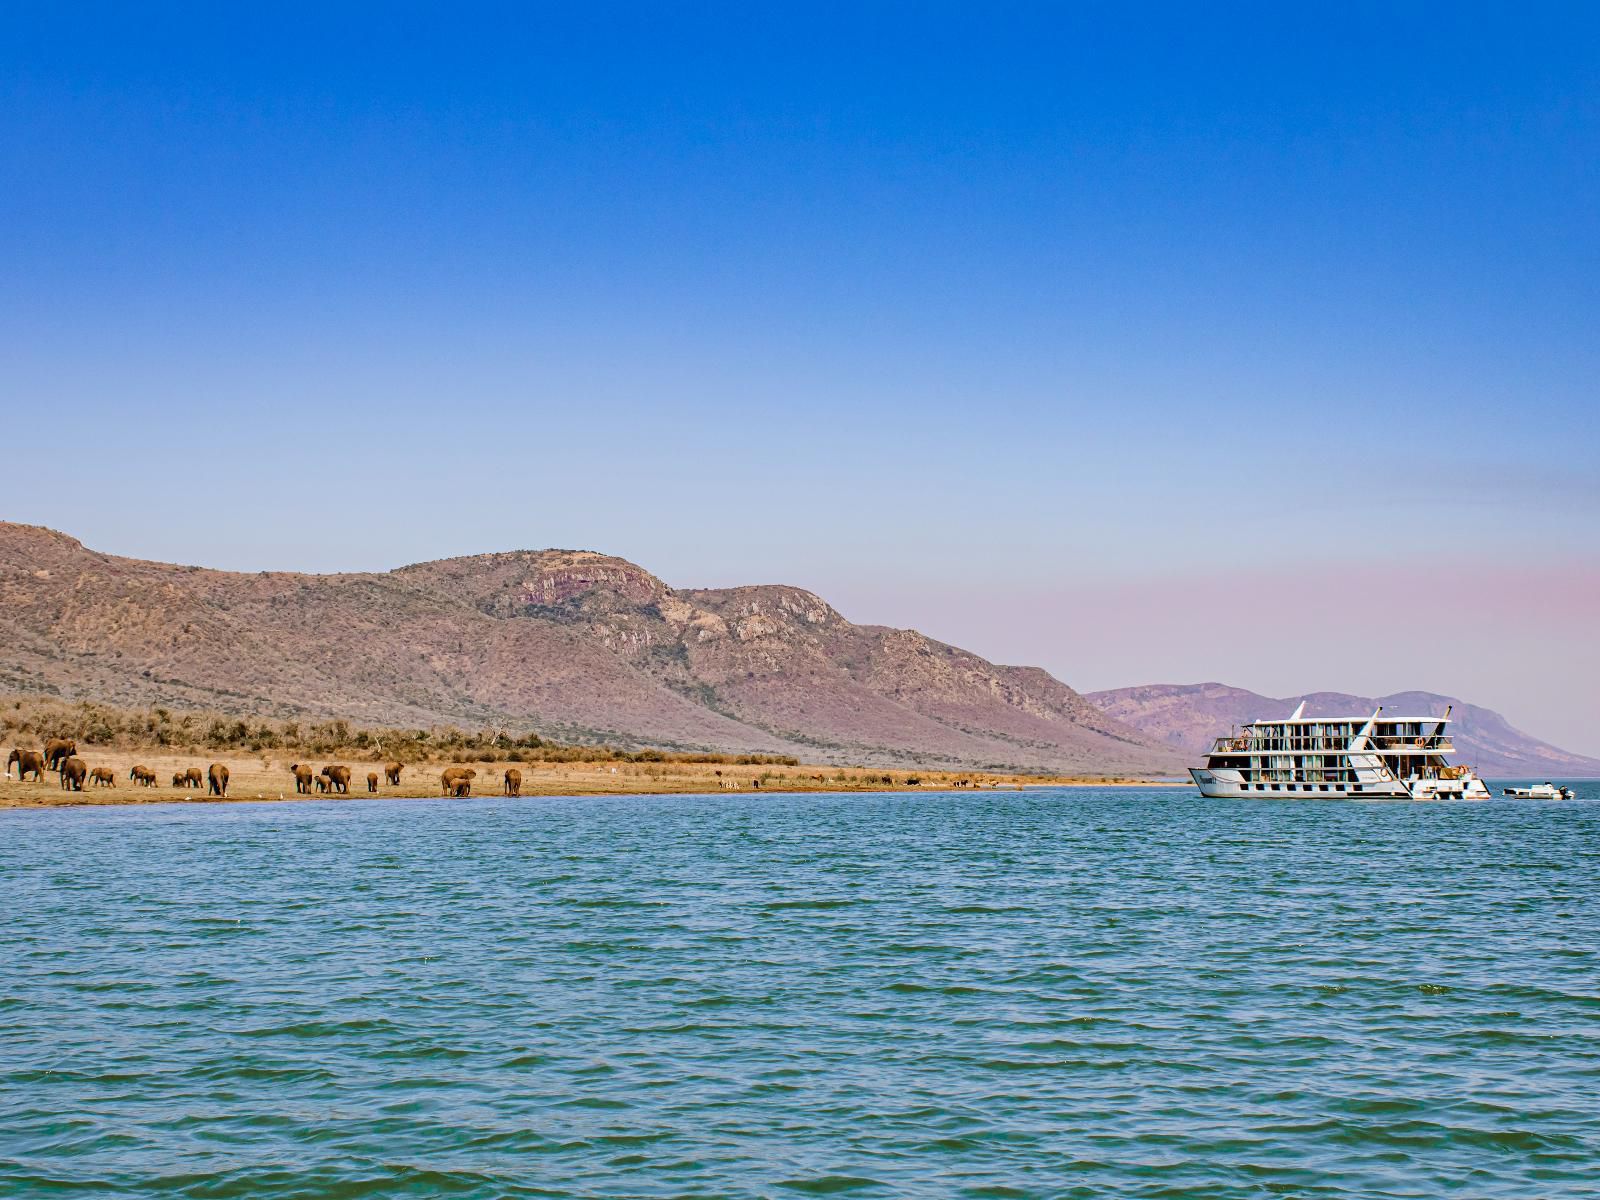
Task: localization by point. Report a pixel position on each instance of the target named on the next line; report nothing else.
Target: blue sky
(1072, 334)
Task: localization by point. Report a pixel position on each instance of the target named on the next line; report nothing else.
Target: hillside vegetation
(30, 720)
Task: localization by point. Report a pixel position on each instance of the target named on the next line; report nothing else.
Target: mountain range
(582, 646)
(569, 644)
(1188, 716)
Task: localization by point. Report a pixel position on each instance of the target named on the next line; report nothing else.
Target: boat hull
(1227, 786)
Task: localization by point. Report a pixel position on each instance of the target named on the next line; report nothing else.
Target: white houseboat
(1375, 758)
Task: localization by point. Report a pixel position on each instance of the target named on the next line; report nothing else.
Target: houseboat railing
(1441, 744)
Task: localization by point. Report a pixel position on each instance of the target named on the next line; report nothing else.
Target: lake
(1070, 992)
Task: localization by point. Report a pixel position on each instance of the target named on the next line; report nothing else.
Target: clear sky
(1142, 342)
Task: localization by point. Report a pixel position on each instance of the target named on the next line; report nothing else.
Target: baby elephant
(457, 781)
(372, 781)
(103, 777)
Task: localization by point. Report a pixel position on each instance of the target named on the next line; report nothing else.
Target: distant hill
(573, 644)
(1187, 716)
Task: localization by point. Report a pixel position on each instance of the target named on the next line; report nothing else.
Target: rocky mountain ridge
(575, 644)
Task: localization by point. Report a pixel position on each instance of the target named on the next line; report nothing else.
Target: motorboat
(1540, 791)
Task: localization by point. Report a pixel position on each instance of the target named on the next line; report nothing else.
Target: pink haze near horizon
(1521, 641)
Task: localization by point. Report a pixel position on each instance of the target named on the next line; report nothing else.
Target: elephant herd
(453, 781)
(457, 781)
(215, 780)
(335, 779)
(61, 755)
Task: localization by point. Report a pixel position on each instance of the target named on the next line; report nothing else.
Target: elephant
(455, 779)
(372, 781)
(513, 782)
(103, 777)
(193, 778)
(142, 775)
(179, 779)
(302, 779)
(28, 762)
(217, 774)
(72, 773)
(58, 749)
(338, 779)
(322, 783)
(392, 771)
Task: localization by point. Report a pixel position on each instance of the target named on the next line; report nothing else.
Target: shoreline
(107, 798)
(268, 779)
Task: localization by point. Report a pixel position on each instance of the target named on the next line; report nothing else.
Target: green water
(1071, 993)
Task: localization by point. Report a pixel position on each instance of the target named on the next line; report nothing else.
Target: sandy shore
(253, 777)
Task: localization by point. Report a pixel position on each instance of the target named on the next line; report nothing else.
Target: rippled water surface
(1057, 993)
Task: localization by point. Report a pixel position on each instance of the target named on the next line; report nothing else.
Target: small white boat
(1540, 791)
